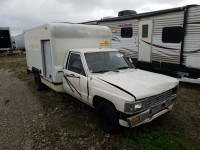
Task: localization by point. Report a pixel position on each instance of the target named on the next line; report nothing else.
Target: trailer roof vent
(127, 13)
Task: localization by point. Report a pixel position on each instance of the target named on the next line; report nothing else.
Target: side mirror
(59, 71)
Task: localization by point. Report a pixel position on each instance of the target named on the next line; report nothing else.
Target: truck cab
(120, 93)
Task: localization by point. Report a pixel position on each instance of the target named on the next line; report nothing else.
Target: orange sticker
(104, 44)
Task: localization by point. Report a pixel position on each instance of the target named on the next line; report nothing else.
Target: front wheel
(108, 117)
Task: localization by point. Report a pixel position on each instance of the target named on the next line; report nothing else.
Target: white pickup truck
(77, 59)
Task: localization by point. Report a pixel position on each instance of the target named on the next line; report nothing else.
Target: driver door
(75, 80)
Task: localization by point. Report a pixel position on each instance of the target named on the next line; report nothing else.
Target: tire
(38, 84)
(108, 117)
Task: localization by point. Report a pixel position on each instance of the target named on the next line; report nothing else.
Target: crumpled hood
(140, 83)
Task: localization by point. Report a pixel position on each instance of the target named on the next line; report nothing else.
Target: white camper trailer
(19, 42)
(168, 39)
(77, 59)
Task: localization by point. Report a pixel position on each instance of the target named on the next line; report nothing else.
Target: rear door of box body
(47, 58)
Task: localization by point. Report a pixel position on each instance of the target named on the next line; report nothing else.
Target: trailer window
(75, 64)
(172, 34)
(145, 31)
(127, 32)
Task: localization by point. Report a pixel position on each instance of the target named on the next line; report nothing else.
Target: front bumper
(152, 112)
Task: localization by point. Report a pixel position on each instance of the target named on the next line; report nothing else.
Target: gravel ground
(26, 124)
(20, 113)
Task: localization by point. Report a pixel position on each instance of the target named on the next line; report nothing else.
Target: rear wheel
(108, 117)
(39, 85)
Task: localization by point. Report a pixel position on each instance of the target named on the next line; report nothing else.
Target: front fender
(109, 92)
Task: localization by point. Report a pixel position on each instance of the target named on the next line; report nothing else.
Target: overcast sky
(24, 14)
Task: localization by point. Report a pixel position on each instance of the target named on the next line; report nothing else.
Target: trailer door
(47, 58)
(145, 40)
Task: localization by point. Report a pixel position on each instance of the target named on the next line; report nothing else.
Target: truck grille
(153, 100)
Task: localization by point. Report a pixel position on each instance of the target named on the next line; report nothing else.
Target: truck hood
(140, 83)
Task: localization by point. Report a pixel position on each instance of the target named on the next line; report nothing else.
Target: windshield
(106, 61)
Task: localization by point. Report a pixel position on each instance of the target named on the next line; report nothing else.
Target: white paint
(145, 50)
(193, 61)
(77, 85)
(140, 83)
(62, 39)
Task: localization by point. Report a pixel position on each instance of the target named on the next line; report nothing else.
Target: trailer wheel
(39, 85)
(108, 117)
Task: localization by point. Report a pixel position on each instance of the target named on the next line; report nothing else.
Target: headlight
(138, 106)
(133, 107)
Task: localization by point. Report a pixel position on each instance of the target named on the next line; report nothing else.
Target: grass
(77, 118)
(196, 144)
(17, 64)
(156, 140)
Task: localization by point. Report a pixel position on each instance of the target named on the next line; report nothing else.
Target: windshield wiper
(125, 67)
(102, 71)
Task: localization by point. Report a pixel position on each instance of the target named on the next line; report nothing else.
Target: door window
(75, 64)
(145, 30)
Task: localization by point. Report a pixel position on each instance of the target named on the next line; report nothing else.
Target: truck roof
(69, 30)
(90, 50)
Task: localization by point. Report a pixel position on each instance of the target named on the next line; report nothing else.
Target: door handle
(71, 75)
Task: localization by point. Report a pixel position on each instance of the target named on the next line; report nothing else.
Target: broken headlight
(134, 107)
